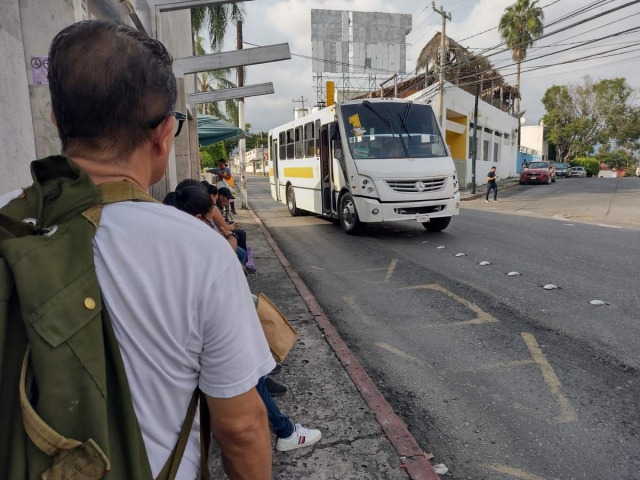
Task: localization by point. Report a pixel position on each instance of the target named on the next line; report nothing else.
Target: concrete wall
(17, 147)
(497, 132)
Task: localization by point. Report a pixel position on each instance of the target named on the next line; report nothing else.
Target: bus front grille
(417, 186)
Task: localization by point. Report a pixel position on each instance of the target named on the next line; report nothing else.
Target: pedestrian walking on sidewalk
(492, 184)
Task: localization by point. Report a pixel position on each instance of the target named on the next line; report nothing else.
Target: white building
(257, 162)
(497, 133)
(532, 140)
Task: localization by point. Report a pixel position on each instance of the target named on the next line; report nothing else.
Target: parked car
(562, 169)
(579, 172)
(538, 172)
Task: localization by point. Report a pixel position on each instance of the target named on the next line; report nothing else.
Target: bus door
(275, 187)
(325, 170)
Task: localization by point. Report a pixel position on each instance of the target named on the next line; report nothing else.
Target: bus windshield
(378, 130)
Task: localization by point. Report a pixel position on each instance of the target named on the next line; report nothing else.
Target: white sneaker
(301, 437)
(486, 201)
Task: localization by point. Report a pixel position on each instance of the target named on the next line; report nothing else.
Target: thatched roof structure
(462, 67)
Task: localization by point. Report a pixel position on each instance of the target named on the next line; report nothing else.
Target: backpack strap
(115, 192)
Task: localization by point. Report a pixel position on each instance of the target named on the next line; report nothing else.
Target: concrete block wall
(17, 146)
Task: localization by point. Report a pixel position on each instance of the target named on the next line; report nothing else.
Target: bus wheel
(349, 220)
(437, 224)
(291, 202)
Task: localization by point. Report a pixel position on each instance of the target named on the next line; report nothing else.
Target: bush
(630, 172)
(591, 165)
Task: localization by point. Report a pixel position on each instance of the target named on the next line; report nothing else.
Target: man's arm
(241, 428)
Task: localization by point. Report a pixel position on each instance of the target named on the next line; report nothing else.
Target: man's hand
(241, 428)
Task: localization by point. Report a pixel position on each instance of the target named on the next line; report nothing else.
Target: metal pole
(242, 146)
(443, 35)
(474, 148)
(395, 86)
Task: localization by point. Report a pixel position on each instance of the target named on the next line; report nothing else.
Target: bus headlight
(368, 186)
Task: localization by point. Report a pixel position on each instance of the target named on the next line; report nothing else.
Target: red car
(538, 172)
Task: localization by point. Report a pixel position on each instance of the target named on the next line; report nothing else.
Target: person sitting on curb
(225, 179)
(197, 203)
(220, 222)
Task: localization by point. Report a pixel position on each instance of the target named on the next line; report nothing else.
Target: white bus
(364, 161)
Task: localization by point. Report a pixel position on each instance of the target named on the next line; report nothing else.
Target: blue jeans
(280, 423)
(242, 255)
(492, 186)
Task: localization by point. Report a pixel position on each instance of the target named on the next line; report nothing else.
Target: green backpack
(66, 410)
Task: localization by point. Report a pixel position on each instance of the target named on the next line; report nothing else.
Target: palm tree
(216, 19)
(215, 80)
(520, 26)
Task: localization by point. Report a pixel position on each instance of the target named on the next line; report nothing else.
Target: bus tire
(291, 202)
(349, 220)
(437, 224)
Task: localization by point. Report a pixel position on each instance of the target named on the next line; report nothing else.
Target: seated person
(196, 202)
(220, 222)
(225, 196)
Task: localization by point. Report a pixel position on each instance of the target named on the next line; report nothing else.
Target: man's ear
(53, 119)
(163, 134)
(199, 216)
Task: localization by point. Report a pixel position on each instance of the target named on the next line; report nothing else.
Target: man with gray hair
(162, 274)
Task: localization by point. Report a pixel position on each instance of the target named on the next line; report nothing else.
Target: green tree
(520, 26)
(210, 155)
(216, 20)
(578, 117)
(214, 80)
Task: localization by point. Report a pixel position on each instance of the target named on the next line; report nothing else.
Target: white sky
(279, 21)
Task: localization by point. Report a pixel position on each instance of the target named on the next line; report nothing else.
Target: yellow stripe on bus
(298, 172)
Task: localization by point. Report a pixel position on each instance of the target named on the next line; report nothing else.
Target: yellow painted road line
(396, 351)
(514, 472)
(298, 172)
(356, 308)
(482, 316)
(551, 379)
(317, 268)
(391, 269)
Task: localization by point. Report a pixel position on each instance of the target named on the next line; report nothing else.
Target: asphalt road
(496, 376)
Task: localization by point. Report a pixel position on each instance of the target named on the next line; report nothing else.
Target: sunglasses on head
(180, 118)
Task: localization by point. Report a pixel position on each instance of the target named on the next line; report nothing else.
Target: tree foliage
(591, 165)
(216, 20)
(520, 25)
(210, 155)
(579, 117)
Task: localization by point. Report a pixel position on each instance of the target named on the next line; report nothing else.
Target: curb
(412, 458)
(475, 196)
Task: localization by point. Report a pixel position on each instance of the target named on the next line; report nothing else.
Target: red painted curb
(411, 455)
(475, 196)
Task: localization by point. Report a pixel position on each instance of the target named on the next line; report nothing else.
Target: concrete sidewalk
(481, 190)
(321, 394)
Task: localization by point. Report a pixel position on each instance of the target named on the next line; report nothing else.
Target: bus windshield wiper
(385, 119)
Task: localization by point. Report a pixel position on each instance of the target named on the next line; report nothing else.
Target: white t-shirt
(183, 316)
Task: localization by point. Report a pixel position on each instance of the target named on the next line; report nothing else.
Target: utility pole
(302, 100)
(474, 147)
(242, 146)
(443, 35)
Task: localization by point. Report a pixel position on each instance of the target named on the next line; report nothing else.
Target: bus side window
(299, 143)
(290, 144)
(317, 147)
(283, 146)
(309, 136)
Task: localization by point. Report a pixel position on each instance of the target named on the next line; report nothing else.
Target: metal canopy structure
(213, 130)
(230, 93)
(232, 59)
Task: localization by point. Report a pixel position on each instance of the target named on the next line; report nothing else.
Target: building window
(283, 146)
(290, 144)
(506, 139)
(309, 136)
(299, 143)
(496, 152)
(485, 150)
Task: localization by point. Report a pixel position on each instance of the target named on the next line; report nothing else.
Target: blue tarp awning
(213, 130)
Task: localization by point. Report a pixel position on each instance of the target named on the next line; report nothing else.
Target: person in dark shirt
(492, 184)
